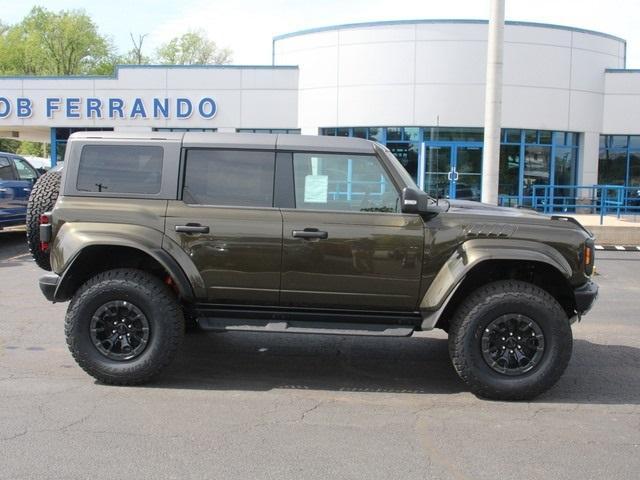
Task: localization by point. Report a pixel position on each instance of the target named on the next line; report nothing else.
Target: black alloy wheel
(512, 344)
(120, 330)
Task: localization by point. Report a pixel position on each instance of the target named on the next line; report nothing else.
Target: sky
(248, 26)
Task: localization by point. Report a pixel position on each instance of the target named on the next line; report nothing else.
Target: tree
(49, 43)
(35, 149)
(192, 48)
(135, 54)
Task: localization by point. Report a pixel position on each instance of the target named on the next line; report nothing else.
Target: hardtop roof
(261, 141)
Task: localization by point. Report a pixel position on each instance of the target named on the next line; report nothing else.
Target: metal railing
(579, 199)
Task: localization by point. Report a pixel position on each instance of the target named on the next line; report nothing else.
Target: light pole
(493, 104)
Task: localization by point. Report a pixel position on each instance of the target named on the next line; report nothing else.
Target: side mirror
(414, 201)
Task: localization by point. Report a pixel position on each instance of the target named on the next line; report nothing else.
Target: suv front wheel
(510, 340)
(124, 326)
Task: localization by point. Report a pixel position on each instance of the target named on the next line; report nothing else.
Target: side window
(6, 172)
(120, 169)
(25, 171)
(242, 178)
(353, 183)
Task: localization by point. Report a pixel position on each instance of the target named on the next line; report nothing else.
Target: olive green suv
(299, 234)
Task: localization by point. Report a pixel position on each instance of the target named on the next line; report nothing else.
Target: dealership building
(570, 111)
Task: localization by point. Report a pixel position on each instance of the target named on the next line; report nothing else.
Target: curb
(618, 248)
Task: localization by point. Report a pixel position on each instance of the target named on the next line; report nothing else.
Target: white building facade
(571, 111)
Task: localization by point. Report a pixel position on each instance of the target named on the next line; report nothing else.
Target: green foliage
(8, 145)
(36, 149)
(68, 43)
(49, 43)
(192, 48)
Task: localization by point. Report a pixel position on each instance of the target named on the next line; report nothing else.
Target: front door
(452, 170)
(345, 245)
(227, 225)
(16, 182)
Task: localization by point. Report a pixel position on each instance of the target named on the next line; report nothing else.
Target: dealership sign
(111, 107)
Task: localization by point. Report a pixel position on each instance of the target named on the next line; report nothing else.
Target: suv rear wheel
(124, 326)
(510, 340)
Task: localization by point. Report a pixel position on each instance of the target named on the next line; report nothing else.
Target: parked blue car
(17, 177)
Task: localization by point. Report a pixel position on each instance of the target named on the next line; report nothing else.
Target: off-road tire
(153, 298)
(42, 199)
(479, 310)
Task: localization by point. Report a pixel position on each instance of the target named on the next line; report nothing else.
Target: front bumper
(49, 284)
(585, 295)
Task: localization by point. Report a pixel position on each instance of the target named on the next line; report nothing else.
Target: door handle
(449, 176)
(457, 175)
(192, 228)
(309, 233)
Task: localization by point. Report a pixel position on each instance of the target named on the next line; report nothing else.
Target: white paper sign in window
(316, 188)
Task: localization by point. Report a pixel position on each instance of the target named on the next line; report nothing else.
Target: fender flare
(470, 254)
(71, 241)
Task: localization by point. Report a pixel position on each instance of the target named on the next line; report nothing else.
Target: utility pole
(493, 104)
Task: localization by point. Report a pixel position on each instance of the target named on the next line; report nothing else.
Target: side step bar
(292, 326)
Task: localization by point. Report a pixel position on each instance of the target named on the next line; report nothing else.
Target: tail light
(45, 231)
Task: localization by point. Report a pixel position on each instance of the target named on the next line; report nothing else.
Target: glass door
(467, 173)
(438, 172)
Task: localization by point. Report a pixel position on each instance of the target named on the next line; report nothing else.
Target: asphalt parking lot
(291, 407)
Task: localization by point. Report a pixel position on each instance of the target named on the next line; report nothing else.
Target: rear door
(346, 245)
(227, 224)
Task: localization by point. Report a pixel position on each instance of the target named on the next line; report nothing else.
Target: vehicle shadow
(597, 374)
(264, 361)
(13, 243)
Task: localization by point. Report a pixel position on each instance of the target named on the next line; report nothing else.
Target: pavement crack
(309, 410)
(17, 435)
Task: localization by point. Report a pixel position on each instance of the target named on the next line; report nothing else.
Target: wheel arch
(99, 257)
(478, 262)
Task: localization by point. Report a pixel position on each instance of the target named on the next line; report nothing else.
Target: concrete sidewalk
(613, 231)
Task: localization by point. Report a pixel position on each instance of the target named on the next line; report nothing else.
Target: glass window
(375, 134)
(634, 169)
(530, 136)
(438, 171)
(6, 171)
(545, 137)
(342, 132)
(25, 171)
(453, 134)
(618, 141)
(565, 166)
(612, 167)
(634, 141)
(394, 134)
(536, 167)
(241, 178)
(353, 183)
(407, 154)
(328, 131)
(604, 141)
(509, 170)
(559, 138)
(360, 132)
(120, 169)
(513, 136)
(412, 134)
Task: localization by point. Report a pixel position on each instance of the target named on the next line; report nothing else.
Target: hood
(468, 206)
